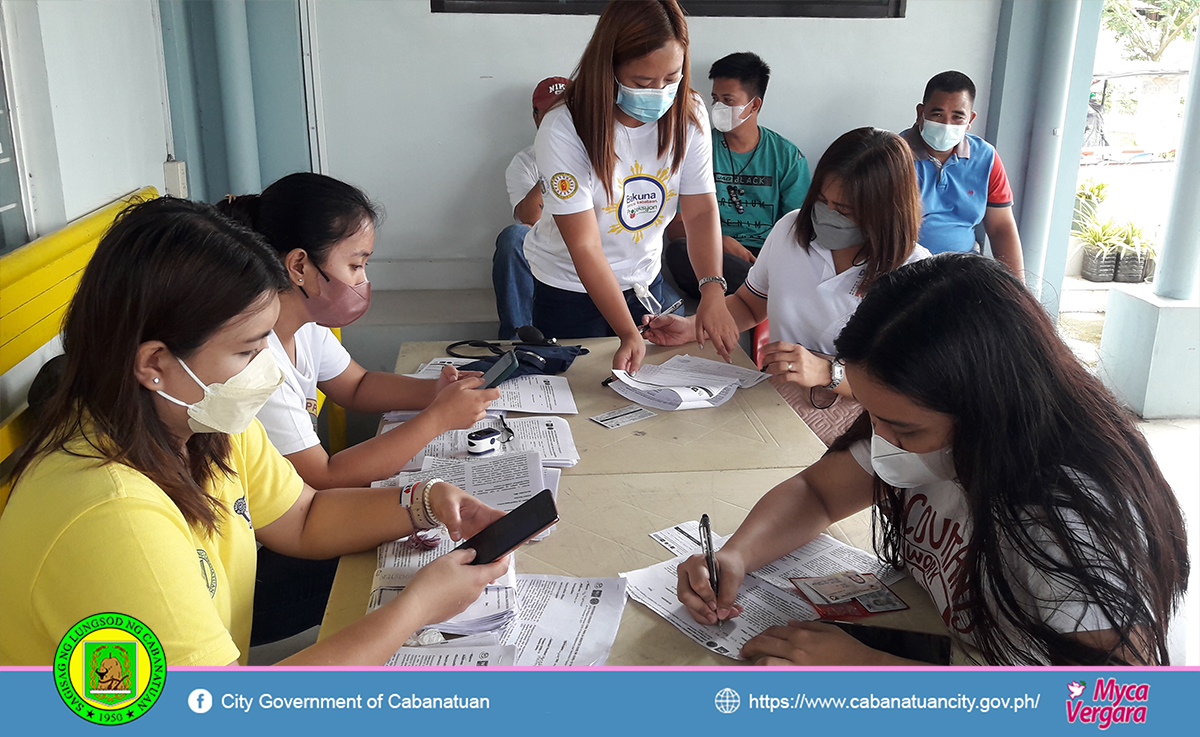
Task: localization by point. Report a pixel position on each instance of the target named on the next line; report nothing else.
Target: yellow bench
(37, 282)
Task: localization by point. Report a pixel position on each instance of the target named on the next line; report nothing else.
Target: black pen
(710, 558)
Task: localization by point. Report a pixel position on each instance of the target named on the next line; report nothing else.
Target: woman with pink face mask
(323, 230)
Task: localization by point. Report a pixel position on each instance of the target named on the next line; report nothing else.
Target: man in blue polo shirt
(961, 177)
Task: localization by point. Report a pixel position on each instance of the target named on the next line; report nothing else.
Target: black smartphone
(902, 643)
(507, 533)
(500, 370)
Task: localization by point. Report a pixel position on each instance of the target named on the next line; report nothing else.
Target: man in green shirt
(761, 176)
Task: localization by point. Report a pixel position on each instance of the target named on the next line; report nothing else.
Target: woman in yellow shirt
(150, 480)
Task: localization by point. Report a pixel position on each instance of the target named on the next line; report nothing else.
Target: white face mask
(942, 137)
(905, 470)
(230, 407)
(725, 118)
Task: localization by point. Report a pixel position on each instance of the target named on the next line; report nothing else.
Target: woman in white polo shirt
(618, 157)
(859, 221)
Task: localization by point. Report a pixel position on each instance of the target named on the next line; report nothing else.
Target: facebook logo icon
(200, 701)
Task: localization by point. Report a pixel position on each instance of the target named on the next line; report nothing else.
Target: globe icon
(728, 701)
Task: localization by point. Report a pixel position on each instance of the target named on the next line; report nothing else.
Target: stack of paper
(494, 608)
(549, 436)
(521, 620)
(565, 621)
(532, 393)
(766, 595)
(685, 382)
(481, 650)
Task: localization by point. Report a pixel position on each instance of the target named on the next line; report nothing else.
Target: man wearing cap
(511, 277)
(961, 176)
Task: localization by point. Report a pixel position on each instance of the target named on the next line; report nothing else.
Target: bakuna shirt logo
(643, 198)
(1111, 703)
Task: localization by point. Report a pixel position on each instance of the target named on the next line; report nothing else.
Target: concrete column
(1179, 261)
(1045, 149)
(237, 96)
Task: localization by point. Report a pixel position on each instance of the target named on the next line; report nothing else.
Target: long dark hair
(309, 211)
(627, 30)
(1043, 452)
(878, 177)
(168, 270)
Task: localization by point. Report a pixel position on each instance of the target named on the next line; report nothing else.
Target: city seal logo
(109, 669)
(563, 185)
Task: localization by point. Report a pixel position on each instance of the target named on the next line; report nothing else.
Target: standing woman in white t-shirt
(859, 221)
(618, 157)
(323, 230)
(1002, 474)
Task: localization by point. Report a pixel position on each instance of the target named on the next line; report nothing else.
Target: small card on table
(848, 594)
(623, 416)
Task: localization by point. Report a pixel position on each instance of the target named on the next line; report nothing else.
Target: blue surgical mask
(940, 136)
(646, 105)
(832, 230)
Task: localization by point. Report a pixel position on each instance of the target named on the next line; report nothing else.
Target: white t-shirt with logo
(645, 197)
(519, 178)
(811, 302)
(290, 415)
(937, 527)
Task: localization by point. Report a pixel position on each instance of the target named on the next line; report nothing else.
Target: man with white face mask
(962, 179)
(761, 176)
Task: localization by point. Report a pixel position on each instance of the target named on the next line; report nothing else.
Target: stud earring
(155, 379)
(299, 281)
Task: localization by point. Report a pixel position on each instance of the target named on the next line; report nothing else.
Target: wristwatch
(721, 279)
(838, 370)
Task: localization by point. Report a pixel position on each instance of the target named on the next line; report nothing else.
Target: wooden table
(645, 477)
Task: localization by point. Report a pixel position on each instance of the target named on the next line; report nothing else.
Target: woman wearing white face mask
(626, 147)
(1004, 476)
(147, 480)
(859, 220)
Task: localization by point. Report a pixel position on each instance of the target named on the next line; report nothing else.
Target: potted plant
(1133, 253)
(1100, 241)
(1088, 197)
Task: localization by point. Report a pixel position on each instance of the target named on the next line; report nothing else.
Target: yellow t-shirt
(79, 538)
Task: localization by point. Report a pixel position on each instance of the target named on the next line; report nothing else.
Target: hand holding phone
(500, 370)
(510, 531)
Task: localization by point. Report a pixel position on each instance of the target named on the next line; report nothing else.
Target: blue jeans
(559, 313)
(513, 281)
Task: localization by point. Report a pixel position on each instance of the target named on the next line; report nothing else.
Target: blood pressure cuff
(535, 359)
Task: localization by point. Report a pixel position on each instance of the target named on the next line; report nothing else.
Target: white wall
(91, 114)
(425, 110)
(104, 70)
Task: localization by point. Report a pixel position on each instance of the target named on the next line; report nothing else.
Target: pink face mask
(338, 304)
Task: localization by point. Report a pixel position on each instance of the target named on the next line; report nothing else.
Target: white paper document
(433, 369)
(763, 606)
(687, 370)
(696, 396)
(494, 608)
(452, 654)
(565, 621)
(823, 556)
(548, 435)
(536, 394)
(399, 554)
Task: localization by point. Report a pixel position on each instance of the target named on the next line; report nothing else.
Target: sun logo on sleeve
(643, 200)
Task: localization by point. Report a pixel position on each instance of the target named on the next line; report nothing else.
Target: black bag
(534, 359)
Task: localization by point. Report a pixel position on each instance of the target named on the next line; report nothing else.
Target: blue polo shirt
(955, 195)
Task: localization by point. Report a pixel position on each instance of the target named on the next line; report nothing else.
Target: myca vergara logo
(109, 669)
(1112, 703)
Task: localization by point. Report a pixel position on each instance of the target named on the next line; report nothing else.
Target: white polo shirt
(290, 415)
(519, 178)
(645, 197)
(811, 302)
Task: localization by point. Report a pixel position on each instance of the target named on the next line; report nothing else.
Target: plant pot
(1148, 272)
(1097, 265)
(1131, 268)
